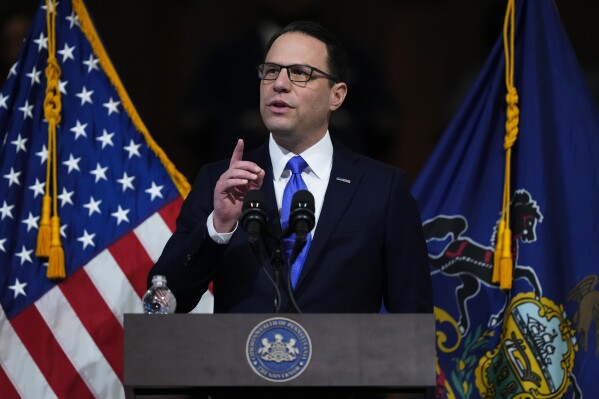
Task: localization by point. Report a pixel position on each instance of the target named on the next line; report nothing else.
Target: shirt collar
(319, 157)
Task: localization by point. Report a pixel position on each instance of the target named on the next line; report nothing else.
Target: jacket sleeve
(408, 281)
(190, 257)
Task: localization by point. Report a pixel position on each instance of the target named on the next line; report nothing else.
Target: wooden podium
(192, 355)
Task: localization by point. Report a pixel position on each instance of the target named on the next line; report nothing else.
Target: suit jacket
(368, 246)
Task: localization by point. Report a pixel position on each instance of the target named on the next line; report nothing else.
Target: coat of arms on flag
(515, 185)
(69, 133)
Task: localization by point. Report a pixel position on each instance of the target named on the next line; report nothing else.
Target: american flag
(117, 205)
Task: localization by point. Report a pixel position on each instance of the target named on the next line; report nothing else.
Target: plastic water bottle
(159, 299)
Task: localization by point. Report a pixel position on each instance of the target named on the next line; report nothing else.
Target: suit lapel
(343, 183)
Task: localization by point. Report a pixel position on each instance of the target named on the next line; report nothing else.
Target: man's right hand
(230, 189)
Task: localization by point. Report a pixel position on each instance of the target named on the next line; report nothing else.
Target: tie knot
(297, 164)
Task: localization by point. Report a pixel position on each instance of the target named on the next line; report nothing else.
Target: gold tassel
(56, 269)
(503, 262)
(497, 253)
(44, 234)
(506, 264)
(49, 234)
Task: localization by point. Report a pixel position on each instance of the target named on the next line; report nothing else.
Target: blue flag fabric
(541, 339)
(117, 204)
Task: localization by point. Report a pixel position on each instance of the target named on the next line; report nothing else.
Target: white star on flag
(63, 230)
(6, 210)
(72, 163)
(3, 99)
(105, 139)
(37, 188)
(85, 96)
(79, 129)
(43, 154)
(2, 248)
(87, 239)
(52, 6)
(20, 143)
(13, 69)
(126, 181)
(31, 221)
(65, 197)
(121, 215)
(73, 20)
(99, 172)
(154, 191)
(67, 53)
(13, 177)
(18, 288)
(92, 63)
(132, 149)
(112, 106)
(42, 42)
(62, 86)
(25, 255)
(34, 75)
(27, 110)
(93, 206)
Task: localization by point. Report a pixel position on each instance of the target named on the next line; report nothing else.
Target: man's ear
(338, 93)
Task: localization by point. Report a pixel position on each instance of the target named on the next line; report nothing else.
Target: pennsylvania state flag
(541, 338)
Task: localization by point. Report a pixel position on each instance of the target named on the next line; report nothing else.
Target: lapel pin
(343, 180)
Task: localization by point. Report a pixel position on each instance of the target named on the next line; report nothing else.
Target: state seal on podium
(278, 349)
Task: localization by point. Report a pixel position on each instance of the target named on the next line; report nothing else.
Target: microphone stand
(290, 290)
(254, 222)
(258, 251)
(277, 260)
(290, 261)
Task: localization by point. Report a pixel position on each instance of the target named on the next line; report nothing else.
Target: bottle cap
(158, 279)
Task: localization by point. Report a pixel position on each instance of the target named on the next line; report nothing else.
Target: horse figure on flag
(472, 262)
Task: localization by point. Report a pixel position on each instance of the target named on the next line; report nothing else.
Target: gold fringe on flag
(503, 262)
(88, 30)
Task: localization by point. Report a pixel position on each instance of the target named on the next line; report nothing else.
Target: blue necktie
(295, 183)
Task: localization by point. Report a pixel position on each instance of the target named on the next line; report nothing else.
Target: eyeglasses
(296, 72)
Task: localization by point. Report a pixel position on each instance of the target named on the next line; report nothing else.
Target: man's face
(298, 112)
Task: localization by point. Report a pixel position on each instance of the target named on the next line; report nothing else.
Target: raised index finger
(237, 152)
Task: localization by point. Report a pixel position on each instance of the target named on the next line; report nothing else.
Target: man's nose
(282, 82)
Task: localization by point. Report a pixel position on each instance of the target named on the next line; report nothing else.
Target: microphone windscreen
(301, 216)
(302, 199)
(253, 216)
(254, 199)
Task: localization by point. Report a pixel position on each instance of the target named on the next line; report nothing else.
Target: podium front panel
(347, 350)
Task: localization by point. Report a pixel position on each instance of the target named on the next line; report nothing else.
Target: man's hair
(336, 55)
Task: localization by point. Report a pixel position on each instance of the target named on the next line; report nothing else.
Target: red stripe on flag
(6, 387)
(134, 260)
(54, 364)
(170, 213)
(99, 321)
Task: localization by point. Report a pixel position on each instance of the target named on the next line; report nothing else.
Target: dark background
(189, 66)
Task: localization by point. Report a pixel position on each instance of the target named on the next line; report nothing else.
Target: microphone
(301, 219)
(253, 216)
(253, 221)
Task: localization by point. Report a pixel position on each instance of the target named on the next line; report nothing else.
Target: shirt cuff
(219, 238)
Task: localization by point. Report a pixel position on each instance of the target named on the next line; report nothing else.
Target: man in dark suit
(367, 247)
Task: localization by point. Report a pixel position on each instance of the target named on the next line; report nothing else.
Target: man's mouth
(279, 104)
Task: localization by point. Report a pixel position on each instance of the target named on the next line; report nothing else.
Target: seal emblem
(535, 356)
(278, 349)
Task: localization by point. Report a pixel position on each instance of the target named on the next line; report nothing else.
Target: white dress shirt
(319, 158)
